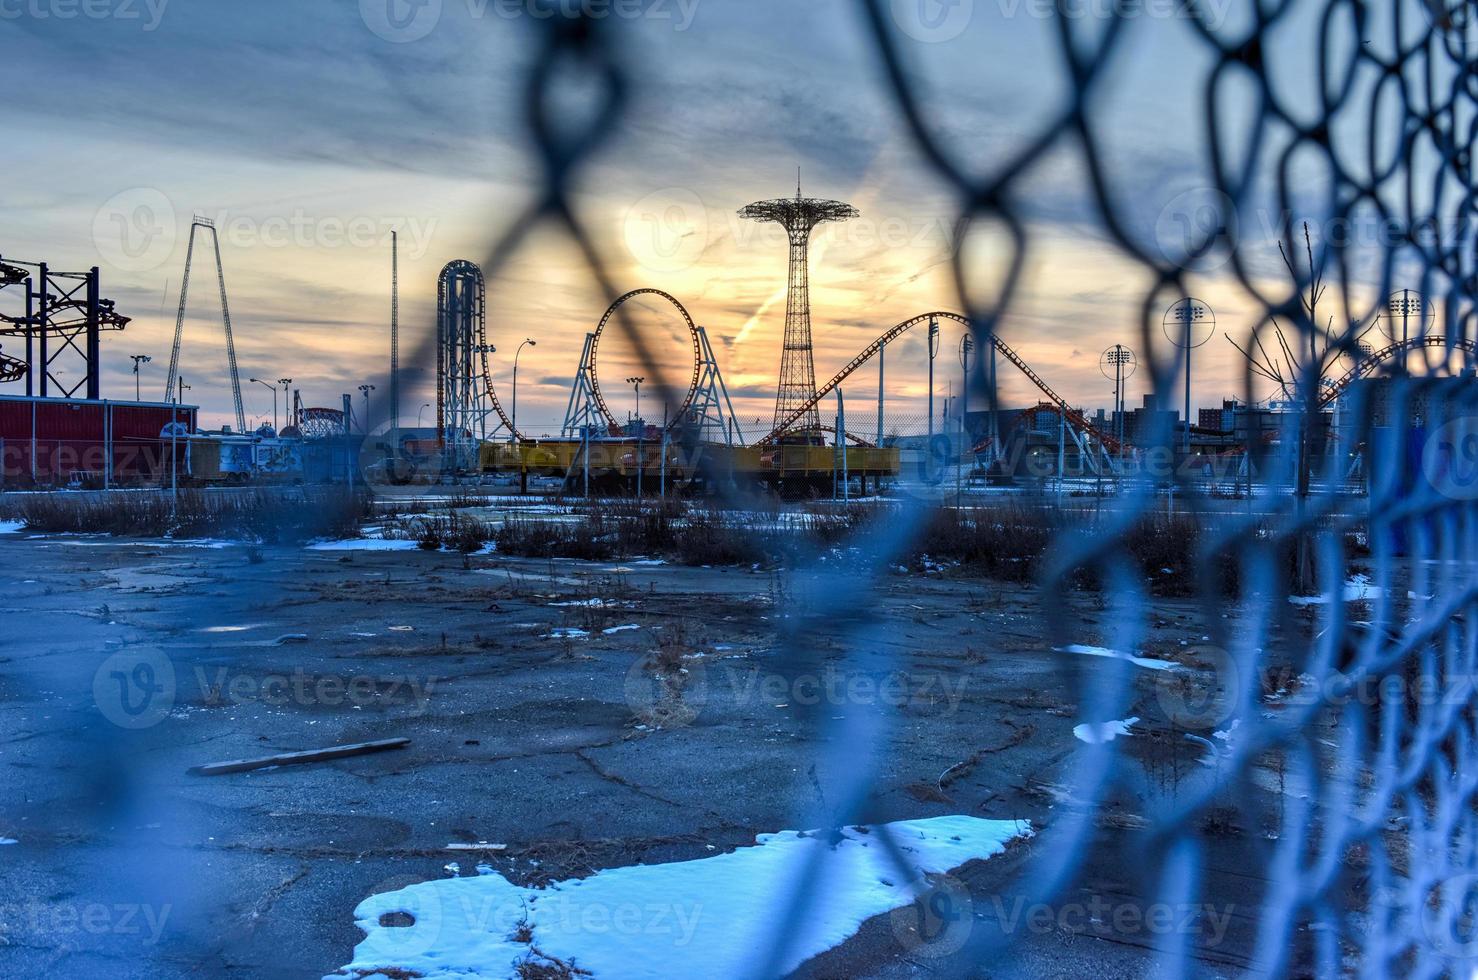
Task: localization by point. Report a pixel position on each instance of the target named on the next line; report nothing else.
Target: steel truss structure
(62, 325)
(798, 415)
(796, 394)
(463, 382)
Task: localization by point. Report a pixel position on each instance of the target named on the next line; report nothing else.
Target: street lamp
(174, 451)
(366, 389)
(483, 350)
(636, 382)
(273, 389)
(933, 350)
(418, 415)
(967, 345)
(137, 360)
(528, 342)
(285, 403)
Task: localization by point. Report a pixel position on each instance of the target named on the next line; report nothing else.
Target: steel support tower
(797, 367)
(462, 401)
(170, 393)
(62, 325)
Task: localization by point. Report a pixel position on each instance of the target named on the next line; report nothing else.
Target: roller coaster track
(1370, 362)
(487, 379)
(600, 401)
(1071, 414)
(11, 369)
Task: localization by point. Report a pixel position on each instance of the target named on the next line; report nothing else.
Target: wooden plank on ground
(293, 758)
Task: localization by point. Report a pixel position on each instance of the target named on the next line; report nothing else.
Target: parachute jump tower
(798, 216)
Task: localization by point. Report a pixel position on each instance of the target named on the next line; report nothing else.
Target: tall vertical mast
(394, 340)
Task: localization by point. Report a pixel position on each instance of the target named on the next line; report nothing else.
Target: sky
(309, 129)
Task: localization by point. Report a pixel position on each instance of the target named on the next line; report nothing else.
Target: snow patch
(364, 544)
(1095, 733)
(620, 629)
(12, 527)
(712, 917)
(1357, 589)
(1145, 662)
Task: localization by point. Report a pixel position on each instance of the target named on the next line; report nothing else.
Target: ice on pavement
(1146, 662)
(364, 544)
(1096, 732)
(712, 917)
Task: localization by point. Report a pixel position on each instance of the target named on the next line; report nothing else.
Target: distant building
(1141, 423)
(1220, 419)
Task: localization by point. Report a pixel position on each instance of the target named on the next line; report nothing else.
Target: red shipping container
(50, 441)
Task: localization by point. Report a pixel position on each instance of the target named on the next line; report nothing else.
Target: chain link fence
(1326, 722)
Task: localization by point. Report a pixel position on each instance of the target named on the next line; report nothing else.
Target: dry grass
(264, 515)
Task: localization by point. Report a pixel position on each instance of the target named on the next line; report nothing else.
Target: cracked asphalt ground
(535, 723)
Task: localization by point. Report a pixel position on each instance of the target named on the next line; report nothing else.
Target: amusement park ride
(62, 324)
(466, 396)
(64, 315)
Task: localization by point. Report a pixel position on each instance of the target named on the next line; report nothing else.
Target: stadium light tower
(798, 216)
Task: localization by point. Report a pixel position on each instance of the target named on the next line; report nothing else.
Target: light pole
(273, 389)
(174, 450)
(285, 403)
(482, 419)
(933, 349)
(637, 382)
(137, 360)
(967, 344)
(365, 390)
(528, 342)
(418, 416)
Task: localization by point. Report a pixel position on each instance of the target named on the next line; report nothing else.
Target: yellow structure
(617, 458)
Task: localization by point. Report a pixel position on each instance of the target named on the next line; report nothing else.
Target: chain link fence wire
(1335, 737)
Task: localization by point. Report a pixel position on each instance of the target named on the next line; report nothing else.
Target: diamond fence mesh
(1308, 768)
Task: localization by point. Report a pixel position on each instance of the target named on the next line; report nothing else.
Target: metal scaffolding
(64, 318)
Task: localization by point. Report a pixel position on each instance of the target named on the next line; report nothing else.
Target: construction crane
(179, 323)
